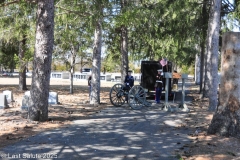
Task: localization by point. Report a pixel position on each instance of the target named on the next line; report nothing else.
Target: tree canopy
(156, 29)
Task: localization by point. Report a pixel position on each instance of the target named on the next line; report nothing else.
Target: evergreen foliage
(156, 29)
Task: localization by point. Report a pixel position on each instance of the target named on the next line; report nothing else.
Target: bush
(188, 69)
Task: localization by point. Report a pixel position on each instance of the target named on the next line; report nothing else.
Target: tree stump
(226, 120)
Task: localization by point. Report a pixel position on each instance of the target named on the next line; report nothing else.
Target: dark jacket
(159, 81)
(129, 81)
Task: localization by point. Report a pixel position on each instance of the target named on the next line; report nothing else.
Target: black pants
(126, 89)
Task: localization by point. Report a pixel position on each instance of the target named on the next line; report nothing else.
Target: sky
(235, 28)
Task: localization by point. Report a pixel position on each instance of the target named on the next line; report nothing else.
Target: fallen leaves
(15, 126)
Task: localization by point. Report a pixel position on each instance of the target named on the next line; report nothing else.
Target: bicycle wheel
(117, 97)
(136, 97)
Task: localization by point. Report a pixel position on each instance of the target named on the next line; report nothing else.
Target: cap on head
(159, 70)
(130, 71)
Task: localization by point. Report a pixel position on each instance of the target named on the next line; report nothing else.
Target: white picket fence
(84, 76)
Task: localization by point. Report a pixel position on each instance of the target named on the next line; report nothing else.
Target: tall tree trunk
(211, 77)
(197, 69)
(204, 18)
(124, 52)
(96, 67)
(72, 64)
(38, 110)
(71, 80)
(124, 45)
(22, 65)
(226, 120)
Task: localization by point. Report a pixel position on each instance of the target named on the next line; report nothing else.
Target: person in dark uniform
(129, 82)
(158, 86)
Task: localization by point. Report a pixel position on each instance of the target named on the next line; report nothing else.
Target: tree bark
(204, 19)
(124, 45)
(22, 65)
(124, 52)
(96, 67)
(38, 110)
(211, 76)
(197, 69)
(226, 120)
(72, 64)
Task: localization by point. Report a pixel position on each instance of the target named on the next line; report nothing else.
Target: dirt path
(14, 125)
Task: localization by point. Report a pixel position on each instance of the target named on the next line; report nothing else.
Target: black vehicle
(149, 71)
